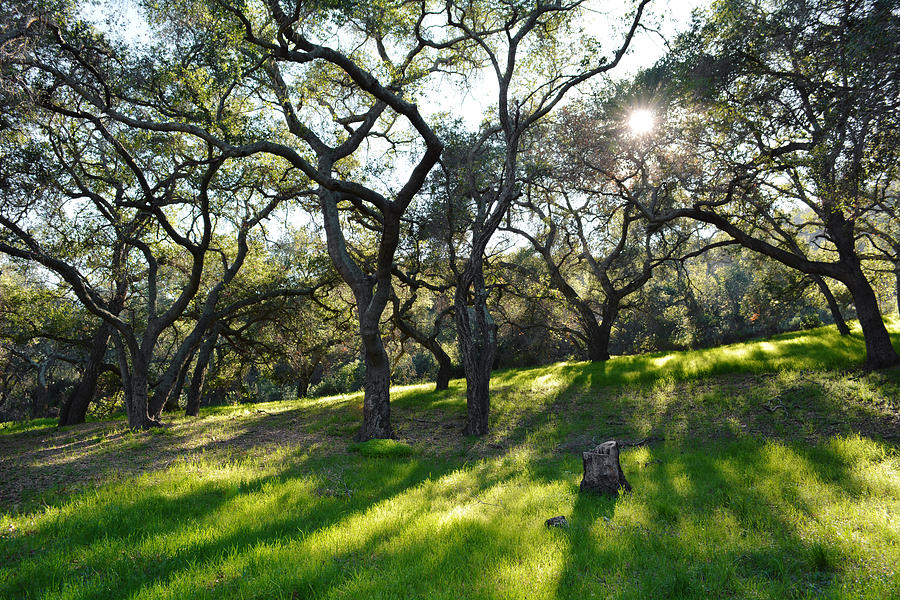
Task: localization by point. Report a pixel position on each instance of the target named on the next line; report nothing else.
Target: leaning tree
(789, 115)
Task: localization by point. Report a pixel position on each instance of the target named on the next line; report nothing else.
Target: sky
(663, 19)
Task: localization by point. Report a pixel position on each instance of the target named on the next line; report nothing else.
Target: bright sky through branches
(641, 121)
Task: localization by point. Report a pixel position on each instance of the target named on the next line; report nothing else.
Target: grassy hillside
(769, 471)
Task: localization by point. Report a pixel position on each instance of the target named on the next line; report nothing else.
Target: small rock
(559, 521)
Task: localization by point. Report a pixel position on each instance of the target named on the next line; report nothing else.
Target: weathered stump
(602, 471)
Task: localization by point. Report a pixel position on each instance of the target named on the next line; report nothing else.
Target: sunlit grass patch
(767, 485)
(10, 427)
(740, 519)
(382, 448)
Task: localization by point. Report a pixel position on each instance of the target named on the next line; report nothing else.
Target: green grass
(738, 519)
(763, 481)
(815, 349)
(9, 427)
(382, 448)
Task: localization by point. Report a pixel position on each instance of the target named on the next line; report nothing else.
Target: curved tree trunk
(74, 410)
(442, 380)
(198, 379)
(832, 305)
(171, 404)
(880, 352)
(168, 388)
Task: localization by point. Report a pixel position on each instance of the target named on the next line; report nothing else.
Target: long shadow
(89, 546)
(81, 547)
(49, 470)
(708, 524)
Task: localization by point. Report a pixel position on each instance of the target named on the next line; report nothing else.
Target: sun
(641, 121)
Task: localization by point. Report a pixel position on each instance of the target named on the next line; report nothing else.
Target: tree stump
(602, 472)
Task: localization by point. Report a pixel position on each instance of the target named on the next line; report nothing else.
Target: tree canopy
(272, 197)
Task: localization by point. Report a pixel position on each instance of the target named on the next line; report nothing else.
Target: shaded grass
(736, 519)
(382, 448)
(765, 482)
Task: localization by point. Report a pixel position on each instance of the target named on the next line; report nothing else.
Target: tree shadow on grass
(738, 521)
(712, 521)
(163, 530)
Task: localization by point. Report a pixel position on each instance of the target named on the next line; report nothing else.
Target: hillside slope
(766, 470)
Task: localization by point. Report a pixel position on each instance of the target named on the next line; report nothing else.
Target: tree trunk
(377, 386)
(477, 335)
(880, 353)
(597, 335)
(602, 470)
(166, 392)
(832, 305)
(198, 379)
(371, 294)
(430, 343)
(74, 410)
(478, 393)
(442, 381)
(136, 403)
(305, 374)
(597, 351)
(39, 401)
(897, 290)
(171, 404)
(302, 386)
(40, 398)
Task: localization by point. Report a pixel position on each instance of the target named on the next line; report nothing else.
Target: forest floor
(769, 469)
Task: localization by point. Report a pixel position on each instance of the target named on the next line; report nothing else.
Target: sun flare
(641, 122)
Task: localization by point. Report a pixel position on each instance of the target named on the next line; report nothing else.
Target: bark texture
(198, 378)
(477, 337)
(602, 471)
(74, 410)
